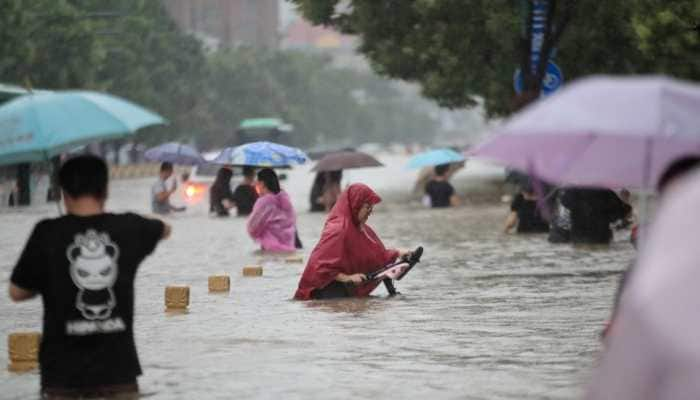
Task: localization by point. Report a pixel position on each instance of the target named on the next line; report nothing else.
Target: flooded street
(483, 316)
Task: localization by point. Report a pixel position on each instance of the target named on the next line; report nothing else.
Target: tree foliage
(459, 51)
(133, 49)
(324, 104)
(34, 35)
(667, 34)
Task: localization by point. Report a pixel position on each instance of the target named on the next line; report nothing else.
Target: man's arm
(511, 221)
(19, 294)
(165, 194)
(455, 201)
(167, 230)
(162, 196)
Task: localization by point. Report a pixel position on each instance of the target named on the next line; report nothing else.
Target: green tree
(149, 60)
(668, 34)
(133, 49)
(323, 103)
(459, 51)
(130, 48)
(46, 43)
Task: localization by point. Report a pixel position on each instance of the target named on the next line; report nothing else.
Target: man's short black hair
(248, 171)
(441, 169)
(84, 175)
(166, 166)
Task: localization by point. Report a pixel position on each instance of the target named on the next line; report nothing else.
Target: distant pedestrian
(592, 212)
(83, 264)
(160, 193)
(315, 204)
(245, 194)
(439, 192)
(331, 189)
(12, 198)
(426, 174)
(525, 213)
(273, 222)
(220, 195)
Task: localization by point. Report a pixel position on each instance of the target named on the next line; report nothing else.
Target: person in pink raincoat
(272, 223)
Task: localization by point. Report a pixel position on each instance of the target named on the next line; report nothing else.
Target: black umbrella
(346, 160)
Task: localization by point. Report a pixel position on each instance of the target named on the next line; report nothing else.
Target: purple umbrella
(602, 131)
(175, 153)
(346, 160)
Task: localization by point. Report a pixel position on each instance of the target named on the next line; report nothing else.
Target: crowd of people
(73, 261)
(569, 214)
(83, 265)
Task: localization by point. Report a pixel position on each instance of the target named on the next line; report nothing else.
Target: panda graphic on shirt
(94, 269)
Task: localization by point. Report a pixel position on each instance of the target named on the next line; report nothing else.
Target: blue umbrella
(38, 126)
(175, 153)
(435, 157)
(261, 154)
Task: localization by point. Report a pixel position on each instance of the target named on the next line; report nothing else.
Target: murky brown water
(484, 316)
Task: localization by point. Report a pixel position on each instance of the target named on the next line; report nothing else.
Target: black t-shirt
(84, 269)
(439, 192)
(245, 196)
(529, 218)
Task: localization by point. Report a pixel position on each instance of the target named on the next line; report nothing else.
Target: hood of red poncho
(351, 201)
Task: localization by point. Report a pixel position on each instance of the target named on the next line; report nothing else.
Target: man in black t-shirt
(83, 265)
(439, 191)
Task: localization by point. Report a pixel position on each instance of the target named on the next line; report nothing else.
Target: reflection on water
(483, 316)
(353, 306)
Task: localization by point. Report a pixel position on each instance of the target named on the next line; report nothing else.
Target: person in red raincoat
(348, 249)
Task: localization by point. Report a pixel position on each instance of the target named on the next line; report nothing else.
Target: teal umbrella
(435, 157)
(8, 92)
(38, 126)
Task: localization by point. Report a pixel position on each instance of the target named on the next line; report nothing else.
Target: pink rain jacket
(272, 222)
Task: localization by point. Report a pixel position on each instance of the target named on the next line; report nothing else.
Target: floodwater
(484, 316)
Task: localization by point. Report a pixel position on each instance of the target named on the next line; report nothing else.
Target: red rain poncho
(344, 247)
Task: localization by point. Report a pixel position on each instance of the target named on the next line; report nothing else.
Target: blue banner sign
(552, 80)
(539, 24)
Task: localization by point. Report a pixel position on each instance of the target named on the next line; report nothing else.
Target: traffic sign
(553, 79)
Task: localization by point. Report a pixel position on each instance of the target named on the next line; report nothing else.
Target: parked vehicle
(257, 129)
